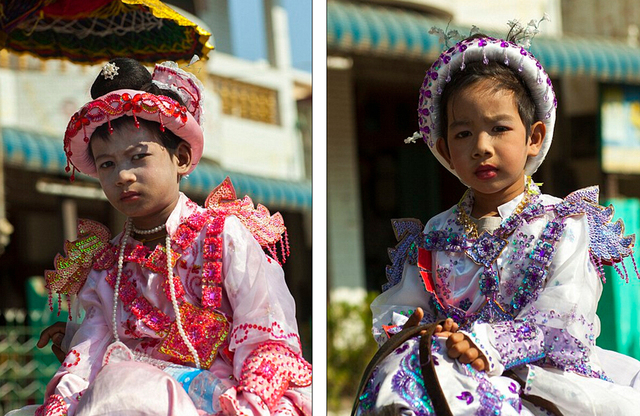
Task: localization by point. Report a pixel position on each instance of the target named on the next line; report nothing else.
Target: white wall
(495, 14)
(43, 101)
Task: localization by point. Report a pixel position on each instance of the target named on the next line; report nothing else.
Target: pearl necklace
(174, 301)
(149, 231)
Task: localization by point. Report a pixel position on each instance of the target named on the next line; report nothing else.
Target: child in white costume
(516, 273)
(219, 303)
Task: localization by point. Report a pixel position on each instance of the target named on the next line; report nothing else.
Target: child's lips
(486, 172)
(129, 196)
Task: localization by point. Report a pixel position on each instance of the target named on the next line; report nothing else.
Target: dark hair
(503, 77)
(132, 75)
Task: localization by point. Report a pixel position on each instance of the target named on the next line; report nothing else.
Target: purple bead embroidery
(409, 384)
(466, 396)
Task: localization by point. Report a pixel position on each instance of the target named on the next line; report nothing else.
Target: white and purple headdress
(486, 49)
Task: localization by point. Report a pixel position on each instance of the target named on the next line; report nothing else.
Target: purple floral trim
(407, 232)
(408, 383)
(371, 391)
(519, 343)
(490, 399)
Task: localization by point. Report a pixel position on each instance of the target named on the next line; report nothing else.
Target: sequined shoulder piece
(607, 242)
(407, 232)
(267, 229)
(72, 269)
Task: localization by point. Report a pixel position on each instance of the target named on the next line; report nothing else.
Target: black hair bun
(131, 75)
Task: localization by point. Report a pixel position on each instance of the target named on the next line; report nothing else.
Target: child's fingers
(414, 319)
(457, 345)
(438, 329)
(479, 364)
(49, 333)
(43, 341)
(448, 325)
(58, 353)
(469, 356)
(454, 327)
(56, 339)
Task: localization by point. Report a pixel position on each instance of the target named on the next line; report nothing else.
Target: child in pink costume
(219, 303)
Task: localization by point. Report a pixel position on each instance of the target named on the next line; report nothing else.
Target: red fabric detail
(425, 267)
(271, 369)
(387, 328)
(53, 406)
(73, 10)
(206, 330)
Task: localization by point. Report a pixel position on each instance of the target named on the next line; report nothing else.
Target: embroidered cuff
(479, 335)
(53, 406)
(271, 369)
(566, 352)
(517, 343)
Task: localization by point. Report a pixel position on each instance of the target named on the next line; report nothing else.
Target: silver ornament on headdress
(109, 70)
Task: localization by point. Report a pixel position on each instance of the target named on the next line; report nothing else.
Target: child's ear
(183, 154)
(538, 132)
(443, 149)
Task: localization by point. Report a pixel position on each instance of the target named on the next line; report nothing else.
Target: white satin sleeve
(394, 306)
(263, 308)
(86, 350)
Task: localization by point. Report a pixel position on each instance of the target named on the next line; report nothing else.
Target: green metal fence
(24, 369)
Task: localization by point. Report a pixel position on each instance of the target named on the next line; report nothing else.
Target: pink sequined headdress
(487, 49)
(184, 121)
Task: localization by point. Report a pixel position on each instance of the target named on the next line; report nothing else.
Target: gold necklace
(148, 240)
(470, 227)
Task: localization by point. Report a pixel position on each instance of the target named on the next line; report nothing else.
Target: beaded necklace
(471, 228)
(174, 301)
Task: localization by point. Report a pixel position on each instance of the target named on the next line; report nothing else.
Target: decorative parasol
(91, 31)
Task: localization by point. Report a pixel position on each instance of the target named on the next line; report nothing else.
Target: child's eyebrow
(130, 150)
(490, 119)
(458, 123)
(499, 117)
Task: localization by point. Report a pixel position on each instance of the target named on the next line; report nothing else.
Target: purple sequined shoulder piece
(407, 231)
(607, 242)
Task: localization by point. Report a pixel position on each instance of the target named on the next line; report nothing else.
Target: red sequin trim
(212, 264)
(241, 332)
(139, 306)
(271, 369)
(206, 330)
(53, 406)
(157, 261)
(267, 229)
(72, 359)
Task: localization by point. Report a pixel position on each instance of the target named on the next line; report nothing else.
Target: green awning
(43, 153)
(354, 28)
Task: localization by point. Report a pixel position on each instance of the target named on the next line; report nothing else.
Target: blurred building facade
(257, 131)
(378, 53)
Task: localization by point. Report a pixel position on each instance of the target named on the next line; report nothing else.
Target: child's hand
(460, 347)
(446, 329)
(55, 333)
(414, 319)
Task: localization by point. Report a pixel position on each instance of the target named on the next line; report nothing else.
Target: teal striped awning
(43, 153)
(354, 28)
